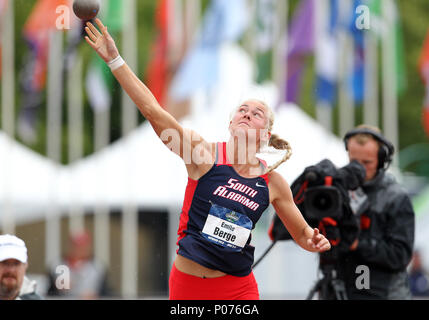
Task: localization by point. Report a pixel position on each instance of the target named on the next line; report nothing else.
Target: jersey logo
(260, 185)
(232, 217)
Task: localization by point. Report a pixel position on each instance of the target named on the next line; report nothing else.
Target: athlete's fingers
(324, 245)
(91, 35)
(321, 243)
(317, 237)
(101, 26)
(316, 232)
(92, 44)
(325, 248)
(99, 23)
(93, 29)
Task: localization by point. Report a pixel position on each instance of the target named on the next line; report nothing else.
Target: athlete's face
(366, 154)
(251, 119)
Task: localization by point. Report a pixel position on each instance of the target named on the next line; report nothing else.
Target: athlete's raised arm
(179, 140)
(281, 197)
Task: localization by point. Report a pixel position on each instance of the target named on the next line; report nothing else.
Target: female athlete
(228, 190)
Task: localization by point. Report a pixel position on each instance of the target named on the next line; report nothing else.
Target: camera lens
(322, 202)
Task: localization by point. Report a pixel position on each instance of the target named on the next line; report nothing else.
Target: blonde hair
(275, 141)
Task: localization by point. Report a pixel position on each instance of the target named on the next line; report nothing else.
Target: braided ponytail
(277, 143)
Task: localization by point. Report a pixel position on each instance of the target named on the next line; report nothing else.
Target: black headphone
(386, 150)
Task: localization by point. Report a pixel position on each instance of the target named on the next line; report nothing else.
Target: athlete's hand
(318, 242)
(102, 42)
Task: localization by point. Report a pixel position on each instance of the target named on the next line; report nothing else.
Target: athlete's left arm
(282, 200)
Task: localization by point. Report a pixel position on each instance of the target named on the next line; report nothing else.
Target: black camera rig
(321, 193)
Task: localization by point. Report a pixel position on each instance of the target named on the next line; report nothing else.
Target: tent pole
(129, 122)
(53, 136)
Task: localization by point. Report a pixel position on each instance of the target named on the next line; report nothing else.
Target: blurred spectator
(419, 282)
(88, 277)
(14, 285)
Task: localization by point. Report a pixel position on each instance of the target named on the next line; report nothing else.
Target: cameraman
(385, 243)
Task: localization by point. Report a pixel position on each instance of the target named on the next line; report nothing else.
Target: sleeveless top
(219, 211)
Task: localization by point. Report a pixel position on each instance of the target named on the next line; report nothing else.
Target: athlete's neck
(240, 152)
(242, 157)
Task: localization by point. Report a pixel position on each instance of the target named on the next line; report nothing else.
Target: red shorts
(187, 287)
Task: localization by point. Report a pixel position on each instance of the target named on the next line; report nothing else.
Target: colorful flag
(327, 55)
(378, 26)
(357, 76)
(300, 45)
(36, 32)
(424, 70)
(265, 22)
(224, 21)
(157, 71)
(99, 78)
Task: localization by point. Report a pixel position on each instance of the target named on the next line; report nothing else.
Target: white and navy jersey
(219, 211)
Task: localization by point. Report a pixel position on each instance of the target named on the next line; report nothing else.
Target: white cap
(12, 247)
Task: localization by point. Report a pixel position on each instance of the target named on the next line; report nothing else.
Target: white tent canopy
(27, 179)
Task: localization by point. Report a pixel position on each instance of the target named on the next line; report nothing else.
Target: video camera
(321, 193)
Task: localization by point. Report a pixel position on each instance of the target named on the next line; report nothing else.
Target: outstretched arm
(164, 124)
(281, 197)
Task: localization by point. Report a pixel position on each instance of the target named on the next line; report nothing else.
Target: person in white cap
(14, 285)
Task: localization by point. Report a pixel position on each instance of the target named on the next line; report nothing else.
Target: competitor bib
(227, 228)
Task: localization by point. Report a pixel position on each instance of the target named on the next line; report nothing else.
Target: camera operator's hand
(318, 242)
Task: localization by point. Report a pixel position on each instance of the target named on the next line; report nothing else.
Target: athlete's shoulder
(276, 178)
(278, 185)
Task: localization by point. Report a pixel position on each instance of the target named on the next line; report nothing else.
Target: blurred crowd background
(82, 178)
